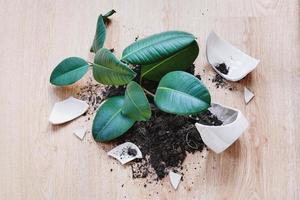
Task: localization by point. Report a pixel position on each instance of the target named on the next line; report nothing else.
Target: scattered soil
(220, 82)
(222, 68)
(93, 94)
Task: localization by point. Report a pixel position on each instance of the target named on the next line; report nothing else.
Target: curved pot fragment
(238, 63)
(67, 110)
(219, 138)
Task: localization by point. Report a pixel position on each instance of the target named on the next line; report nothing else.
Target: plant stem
(148, 92)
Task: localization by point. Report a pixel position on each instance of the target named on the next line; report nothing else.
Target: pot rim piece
(64, 111)
(223, 125)
(219, 138)
(249, 63)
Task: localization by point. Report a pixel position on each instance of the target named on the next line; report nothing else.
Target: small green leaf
(156, 47)
(69, 71)
(181, 60)
(100, 35)
(136, 105)
(181, 93)
(108, 70)
(109, 123)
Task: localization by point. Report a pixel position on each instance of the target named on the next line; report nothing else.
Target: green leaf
(156, 47)
(109, 123)
(181, 60)
(99, 35)
(69, 71)
(136, 105)
(181, 93)
(107, 69)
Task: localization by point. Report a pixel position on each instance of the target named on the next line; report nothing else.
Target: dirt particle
(131, 152)
(222, 68)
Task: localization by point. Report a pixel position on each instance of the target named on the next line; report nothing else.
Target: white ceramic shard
(122, 154)
(175, 179)
(219, 138)
(248, 95)
(80, 132)
(220, 51)
(67, 110)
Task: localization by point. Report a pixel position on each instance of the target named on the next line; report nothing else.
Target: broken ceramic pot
(238, 64)
(67, 110)
(125, 152)
(219, 138)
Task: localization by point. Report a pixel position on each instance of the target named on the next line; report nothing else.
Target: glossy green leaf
(100, 35)
(156, 47)
(136, 105)
(181, 93)
(69, 71)
(108, 70)
(109, 122)
(181, 60)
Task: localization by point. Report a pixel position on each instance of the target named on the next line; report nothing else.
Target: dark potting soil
(131, 152)
(222, 68)
(164, 141)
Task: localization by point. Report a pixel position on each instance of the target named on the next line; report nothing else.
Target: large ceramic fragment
(219, 138)
(67, 110)
(238, 64)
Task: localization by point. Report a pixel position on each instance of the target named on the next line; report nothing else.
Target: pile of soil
(164, 141)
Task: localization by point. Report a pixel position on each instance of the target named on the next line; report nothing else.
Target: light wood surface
(41, 161)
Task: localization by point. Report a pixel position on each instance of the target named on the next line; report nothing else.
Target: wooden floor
(41, 161)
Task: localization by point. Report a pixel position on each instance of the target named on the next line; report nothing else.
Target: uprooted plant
(161, 57)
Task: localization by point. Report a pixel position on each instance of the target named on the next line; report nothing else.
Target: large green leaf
(107, 69)
(156, 47)
(181, 93)
(69, 71)
(109, 123)
(136, 105)
(181, 60)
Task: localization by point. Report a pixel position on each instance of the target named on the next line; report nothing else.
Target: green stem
(148, 92)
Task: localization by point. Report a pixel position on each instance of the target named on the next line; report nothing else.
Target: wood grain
(40, 161)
